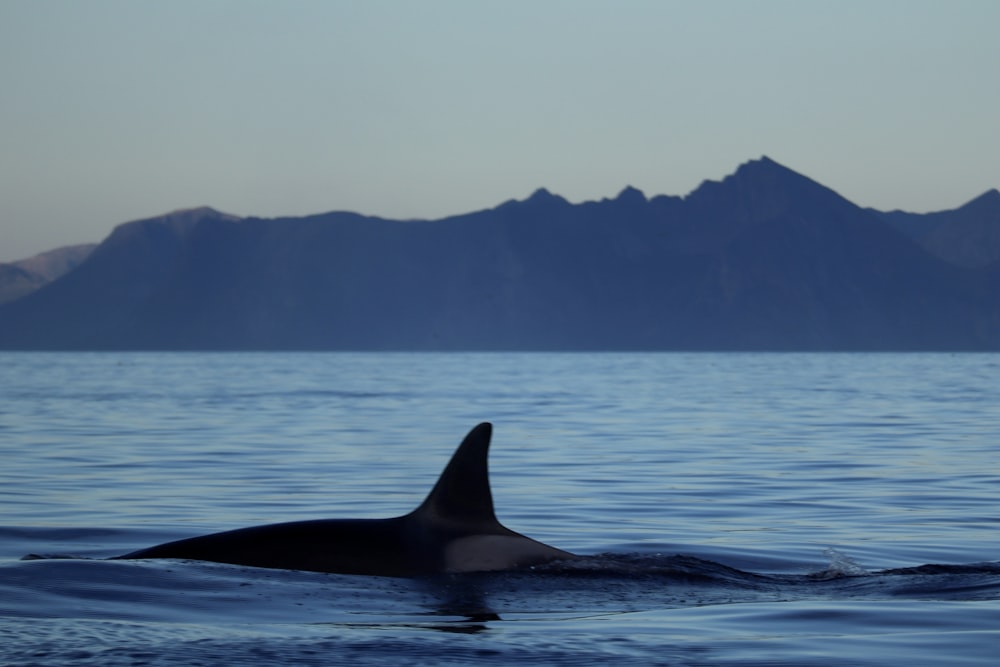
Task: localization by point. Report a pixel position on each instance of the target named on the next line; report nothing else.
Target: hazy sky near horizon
(115, 110)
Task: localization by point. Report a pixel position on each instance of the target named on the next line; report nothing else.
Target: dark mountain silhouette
(25, 276)
(967, 236)
(765, 259)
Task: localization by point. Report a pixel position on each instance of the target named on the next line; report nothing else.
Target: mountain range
(765, 259)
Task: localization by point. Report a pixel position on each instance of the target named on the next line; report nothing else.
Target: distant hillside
(765, 259)
(967, 236)
(25, 276)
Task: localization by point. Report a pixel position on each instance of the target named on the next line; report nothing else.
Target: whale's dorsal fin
(462, 493)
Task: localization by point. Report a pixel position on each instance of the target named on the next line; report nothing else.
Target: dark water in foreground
(758, 509)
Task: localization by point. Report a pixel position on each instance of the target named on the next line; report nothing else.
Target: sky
(115, 110)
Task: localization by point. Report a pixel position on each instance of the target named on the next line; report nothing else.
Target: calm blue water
(742, 509)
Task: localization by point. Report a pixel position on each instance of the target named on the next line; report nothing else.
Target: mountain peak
(988, 202)
(761, 190)
(766, 178)
(631, 195)
(765, 167)
(543, 195)
(199, 212)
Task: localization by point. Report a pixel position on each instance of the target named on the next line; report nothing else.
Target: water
(738, 509)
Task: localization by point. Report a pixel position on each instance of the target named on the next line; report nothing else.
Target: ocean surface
(736, 509)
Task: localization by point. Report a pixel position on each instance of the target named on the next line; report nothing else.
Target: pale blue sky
(117, 110)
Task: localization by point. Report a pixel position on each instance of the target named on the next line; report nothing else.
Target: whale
(453, 530)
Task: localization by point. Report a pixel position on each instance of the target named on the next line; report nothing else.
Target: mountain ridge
(24, 276)
(764, 259)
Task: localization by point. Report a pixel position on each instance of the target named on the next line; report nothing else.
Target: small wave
(678, 568)
(992, 568)
(841, 565)
(843, 577)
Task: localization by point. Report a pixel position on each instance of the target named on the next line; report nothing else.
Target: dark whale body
(453, 530)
